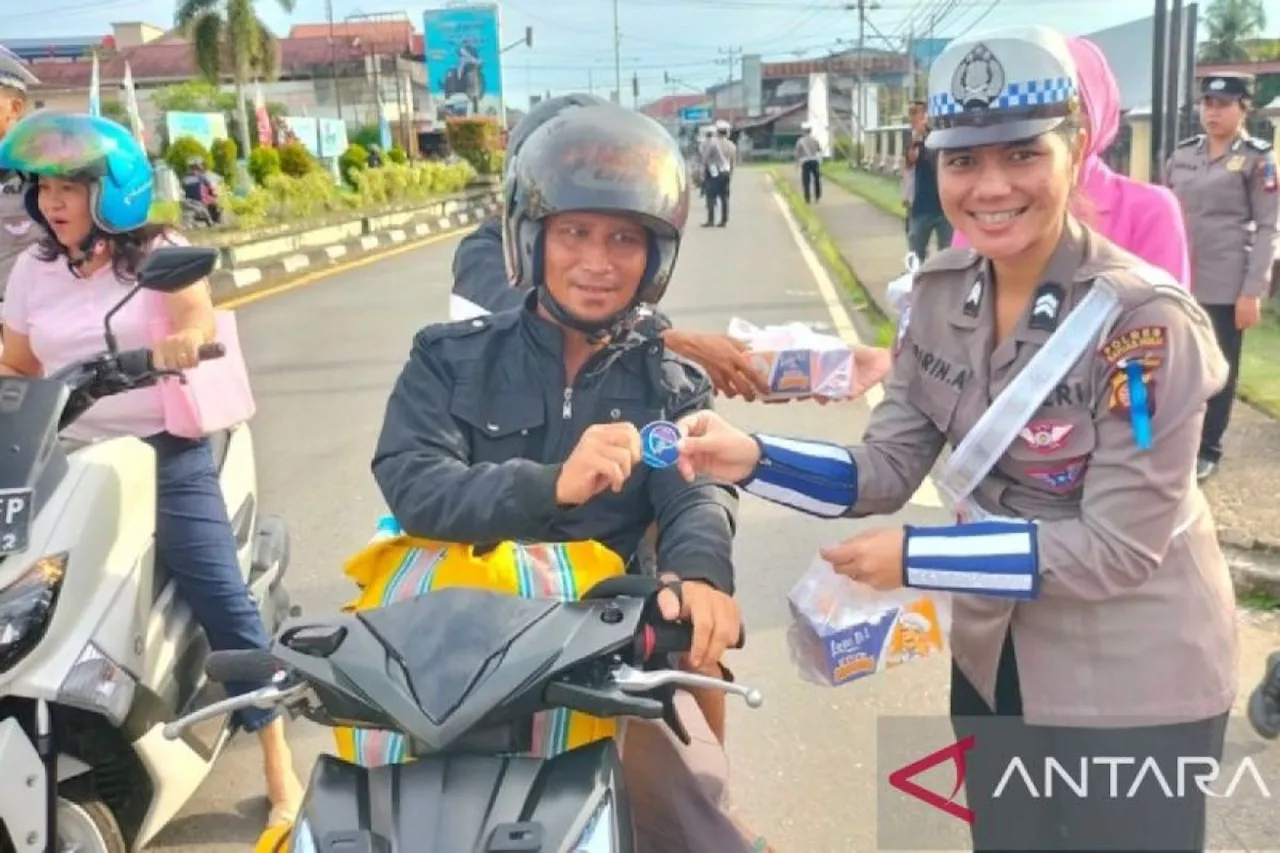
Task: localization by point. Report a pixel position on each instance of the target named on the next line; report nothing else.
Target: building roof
(173, 60)
(393, 35)
(669, 106)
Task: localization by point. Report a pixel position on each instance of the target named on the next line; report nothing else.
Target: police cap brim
(1000, 133)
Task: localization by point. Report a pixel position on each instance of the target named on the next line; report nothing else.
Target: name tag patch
(1142, 339)
(1046, 436)
(1062, 477)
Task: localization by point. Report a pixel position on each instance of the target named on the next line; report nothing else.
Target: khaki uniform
(1230, 205)
(17, 231)
(1135, 620)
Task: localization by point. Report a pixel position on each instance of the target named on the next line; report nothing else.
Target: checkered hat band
(1030, 93)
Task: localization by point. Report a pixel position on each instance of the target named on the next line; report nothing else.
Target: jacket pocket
(507, 424)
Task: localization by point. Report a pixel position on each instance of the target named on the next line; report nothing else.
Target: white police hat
(1003, 86)
(14, 73)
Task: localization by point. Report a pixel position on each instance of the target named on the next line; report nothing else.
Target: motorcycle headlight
(597, 837)
(25, 606)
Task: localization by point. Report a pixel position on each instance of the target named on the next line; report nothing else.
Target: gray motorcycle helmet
(604, 159)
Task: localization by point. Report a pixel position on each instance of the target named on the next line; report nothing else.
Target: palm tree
(1230, 24)
(228, 35)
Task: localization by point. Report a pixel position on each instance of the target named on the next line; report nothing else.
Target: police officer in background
(718, 158)
(17, 231)
(1070, 380)
(1226, 182)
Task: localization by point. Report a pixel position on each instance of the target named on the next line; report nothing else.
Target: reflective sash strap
(971, 461)
(998, 558)
(816, 477)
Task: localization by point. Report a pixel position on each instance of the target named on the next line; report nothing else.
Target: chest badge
(1236, 163)
(1060, 478)
(1046, 436)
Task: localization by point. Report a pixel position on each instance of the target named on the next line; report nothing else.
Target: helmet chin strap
(86, 251)
(597, 330)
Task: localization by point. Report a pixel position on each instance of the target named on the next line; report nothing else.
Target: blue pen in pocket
(1139, 410)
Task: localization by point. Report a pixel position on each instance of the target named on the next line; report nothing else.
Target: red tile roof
(390, 35)
(173, 60)
(670, 106)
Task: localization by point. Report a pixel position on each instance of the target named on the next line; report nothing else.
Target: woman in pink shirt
(1143, 218)
(89, 186)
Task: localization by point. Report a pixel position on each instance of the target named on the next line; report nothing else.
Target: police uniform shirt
(1231, 205)
(17, 231)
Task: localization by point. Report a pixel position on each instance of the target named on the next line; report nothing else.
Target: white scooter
(97, 652)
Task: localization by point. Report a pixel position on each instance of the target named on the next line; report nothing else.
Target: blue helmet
(96, 150)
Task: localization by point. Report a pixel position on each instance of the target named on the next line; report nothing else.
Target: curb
(239, 281)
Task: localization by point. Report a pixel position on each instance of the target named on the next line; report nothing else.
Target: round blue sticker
(658, 442)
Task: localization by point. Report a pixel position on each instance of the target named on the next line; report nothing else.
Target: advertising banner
(306, 131)
(203, 127)
(333, 137)
(464, 69)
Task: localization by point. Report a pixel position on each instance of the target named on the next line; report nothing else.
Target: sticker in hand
(659, 444)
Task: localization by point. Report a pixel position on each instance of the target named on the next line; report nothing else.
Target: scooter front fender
(23, 810)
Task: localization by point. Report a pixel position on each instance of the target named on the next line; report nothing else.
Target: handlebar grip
(241, 665)
(667, 638)
(208, 352)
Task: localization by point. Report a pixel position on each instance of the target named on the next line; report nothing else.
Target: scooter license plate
(15, 520)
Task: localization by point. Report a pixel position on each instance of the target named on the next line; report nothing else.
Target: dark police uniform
(1230, 204)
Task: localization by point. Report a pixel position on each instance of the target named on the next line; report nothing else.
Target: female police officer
(1226, 183)
(1095, 615)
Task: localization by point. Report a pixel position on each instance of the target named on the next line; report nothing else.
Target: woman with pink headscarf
(1139, 217)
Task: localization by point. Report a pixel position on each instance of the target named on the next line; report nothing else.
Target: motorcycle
(97, 651)
(460, 673)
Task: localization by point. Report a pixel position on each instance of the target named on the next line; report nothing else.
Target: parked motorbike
(97, 652)
(460, 674)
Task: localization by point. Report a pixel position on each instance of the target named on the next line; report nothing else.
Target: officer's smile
(998, 217)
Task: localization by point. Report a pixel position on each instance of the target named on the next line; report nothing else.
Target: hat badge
(978, 80)
(1218, 85)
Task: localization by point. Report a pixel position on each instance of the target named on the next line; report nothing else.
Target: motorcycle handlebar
(673, 638)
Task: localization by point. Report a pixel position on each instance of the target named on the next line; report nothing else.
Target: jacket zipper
(566, 412)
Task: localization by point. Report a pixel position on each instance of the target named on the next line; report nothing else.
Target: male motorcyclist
(524, 424)
(199, 189)
(482, 282)
(17, 231)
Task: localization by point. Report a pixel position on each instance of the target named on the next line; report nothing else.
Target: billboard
(752, 84)
(203, 127)
(464, 68)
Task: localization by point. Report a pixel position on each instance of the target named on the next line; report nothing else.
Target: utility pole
(617, 56)
(1158, 55)
(333, 57)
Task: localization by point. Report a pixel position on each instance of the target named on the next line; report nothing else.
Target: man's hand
(1248, 312)
(724, 358)
(716, 619)
(711, 445)
(602, 460)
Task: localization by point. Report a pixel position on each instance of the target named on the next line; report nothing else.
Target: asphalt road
(805, 771)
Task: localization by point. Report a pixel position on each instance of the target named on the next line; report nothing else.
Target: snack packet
(798, 361)
(842, 631)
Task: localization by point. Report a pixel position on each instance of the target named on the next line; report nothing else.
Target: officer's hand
(1248, 312)
(716, 619)
(602, 460)
(711, 445)
(873, 558)
(724, 358)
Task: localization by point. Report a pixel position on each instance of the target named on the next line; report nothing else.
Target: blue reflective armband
(816, 477)
(998, 558)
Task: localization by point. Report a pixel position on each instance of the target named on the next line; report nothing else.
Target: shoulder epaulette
(1258, 144)
(1191, 140)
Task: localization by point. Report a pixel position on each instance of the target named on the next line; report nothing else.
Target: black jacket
(480, 277)
(480, 422)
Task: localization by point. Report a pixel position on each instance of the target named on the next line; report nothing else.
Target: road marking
(926, 495)
(312, 278)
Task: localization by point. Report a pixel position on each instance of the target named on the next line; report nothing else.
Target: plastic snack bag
(900, 288)
(798, 361)
(842, 631)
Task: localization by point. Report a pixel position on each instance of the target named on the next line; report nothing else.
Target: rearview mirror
(174, 268)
